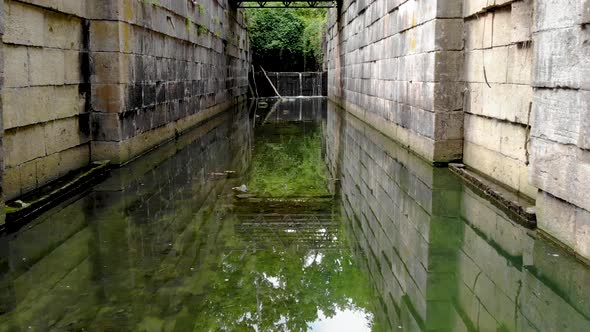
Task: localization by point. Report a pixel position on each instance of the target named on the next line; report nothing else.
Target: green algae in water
(287, 161)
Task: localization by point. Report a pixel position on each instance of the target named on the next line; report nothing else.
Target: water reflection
(166, 244)
(376, 241)
(439, 256)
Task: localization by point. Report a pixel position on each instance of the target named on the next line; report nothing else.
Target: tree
(287, 40)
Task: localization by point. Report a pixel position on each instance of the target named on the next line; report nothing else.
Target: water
(340, 230)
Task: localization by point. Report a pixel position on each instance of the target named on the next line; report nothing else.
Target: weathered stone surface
(405, 68)
(566, 222)
(522, 20)
(561, 170)
(562, 58)
(560, 156)
(158, 67)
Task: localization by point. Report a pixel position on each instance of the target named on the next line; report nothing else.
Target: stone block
(506, 170)
(11, 183)
(522, 21)
(556, 14)
(471, 7)
(478, 32)
(47, 168)
(495, 61)
(520, 64)
(72, 159)
(63, 134)
(111, 67)
(561, 170)
(62, 31)
(510, 102)
(107, 9)
(16, 66)
(562, 58)
(448, 66)
(499, 136)
(502, 27)
(106, 127)
(562, 116)
(28, 176)
(74, 7)
(24, 24)
(46, 66)
(72, 67)
(109, 97)
(566, 222)
(448, 96)
(449, 34)
(586, 12)
(449, 125)
(18, 150)
(449, 8)
(25, 106)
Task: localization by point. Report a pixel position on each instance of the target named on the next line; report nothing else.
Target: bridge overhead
(284, 4)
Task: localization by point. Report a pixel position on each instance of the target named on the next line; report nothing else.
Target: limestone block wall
(111, 79)
(398, 65)
(46, 128)
(498, 100)
(560, 164)
(159, 68)
(502, 85)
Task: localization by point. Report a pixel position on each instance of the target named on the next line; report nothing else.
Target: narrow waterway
(289, 217)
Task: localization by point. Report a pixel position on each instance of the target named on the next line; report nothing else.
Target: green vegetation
(287, 40)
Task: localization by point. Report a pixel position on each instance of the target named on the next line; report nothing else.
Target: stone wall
(46, 126)
(398, 66)
(111, 79)
(502, 85)
(498, 70)
(160, 67)
(560, 164)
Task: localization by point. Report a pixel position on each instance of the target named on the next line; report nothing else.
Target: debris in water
(241, 188)
(22, 204)
(217, 174)
(243, 196)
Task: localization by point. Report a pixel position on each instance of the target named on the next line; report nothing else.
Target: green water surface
(296, 217)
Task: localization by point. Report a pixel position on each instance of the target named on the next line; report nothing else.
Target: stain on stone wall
(111, 79)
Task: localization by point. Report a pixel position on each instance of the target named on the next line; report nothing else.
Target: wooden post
(269, 81)
(254, 79)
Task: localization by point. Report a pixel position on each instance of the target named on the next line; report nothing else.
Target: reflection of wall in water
(409, 232)
(440, 256)
(108, 243)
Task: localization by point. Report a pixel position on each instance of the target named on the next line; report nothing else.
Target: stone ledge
(520, 208)
(18, 212)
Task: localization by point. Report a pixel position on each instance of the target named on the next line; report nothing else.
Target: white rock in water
(241, 188)
(22, 204)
